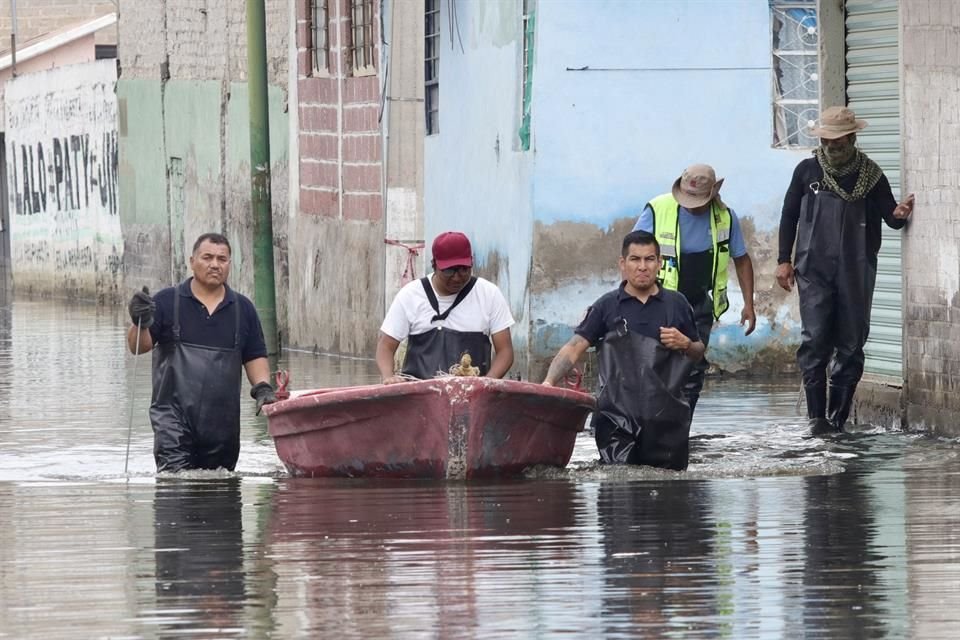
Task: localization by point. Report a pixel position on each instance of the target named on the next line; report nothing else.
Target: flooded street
(770, 534)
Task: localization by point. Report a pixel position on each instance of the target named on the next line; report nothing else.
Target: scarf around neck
(869, 173)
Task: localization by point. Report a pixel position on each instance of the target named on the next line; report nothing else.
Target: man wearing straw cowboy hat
(833, 210)
(698, 234)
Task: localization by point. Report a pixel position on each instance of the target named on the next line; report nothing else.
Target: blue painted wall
(476, 178)
(663, 85)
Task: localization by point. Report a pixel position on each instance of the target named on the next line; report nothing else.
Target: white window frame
(795, 106)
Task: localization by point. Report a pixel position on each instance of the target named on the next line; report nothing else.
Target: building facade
(551, 138)
(59, 222)
(184, 127)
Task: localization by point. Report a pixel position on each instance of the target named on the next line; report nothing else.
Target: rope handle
(413, 252)
(574, 379)
(283, 379)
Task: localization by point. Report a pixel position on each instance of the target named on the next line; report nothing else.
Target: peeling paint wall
(476, 179)
(619, 110)
(403, 117)
(625, 95)
(184, 137)
(336, 222)
(62, 172)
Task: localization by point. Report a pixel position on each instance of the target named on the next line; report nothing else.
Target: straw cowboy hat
(697, 186)
(836, 122)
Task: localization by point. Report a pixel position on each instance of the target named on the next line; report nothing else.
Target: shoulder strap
(432, 297)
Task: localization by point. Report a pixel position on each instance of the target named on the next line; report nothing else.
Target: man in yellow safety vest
(698, 234)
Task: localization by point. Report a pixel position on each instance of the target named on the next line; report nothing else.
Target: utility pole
(265, 296)
(13, 38)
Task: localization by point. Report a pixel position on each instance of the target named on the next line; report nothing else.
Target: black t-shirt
(209, 330)
(880, 204)
(647, 318)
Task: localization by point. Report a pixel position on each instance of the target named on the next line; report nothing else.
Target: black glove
(141, 308)
(263, 393)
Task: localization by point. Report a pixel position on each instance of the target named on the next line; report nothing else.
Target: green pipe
(263, 277)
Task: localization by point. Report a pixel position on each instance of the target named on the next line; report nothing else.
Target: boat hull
(449, 427)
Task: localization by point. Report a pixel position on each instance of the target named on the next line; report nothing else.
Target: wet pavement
(769, 534)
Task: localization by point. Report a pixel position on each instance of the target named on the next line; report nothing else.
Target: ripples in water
(769, 534)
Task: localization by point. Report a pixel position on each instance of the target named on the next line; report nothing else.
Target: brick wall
(339, 129)
(931, 169)
(36, 17)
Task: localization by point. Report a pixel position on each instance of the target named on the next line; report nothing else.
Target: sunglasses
(451, 271)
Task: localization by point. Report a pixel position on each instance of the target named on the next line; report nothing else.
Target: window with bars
(431, 74)
(526, 79)
(319, 36)
(796, 72)
(362, 45)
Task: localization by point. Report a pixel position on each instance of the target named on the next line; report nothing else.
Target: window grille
(796, 72)
(362, 31)
(431, 74)
(526, 84)
(319, 36)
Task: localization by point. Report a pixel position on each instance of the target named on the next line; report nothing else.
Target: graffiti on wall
(64, 174)
(62, 169)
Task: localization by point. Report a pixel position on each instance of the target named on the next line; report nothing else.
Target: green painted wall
(192, 118)
(168, 204)
(142, 171)
(238, 126)
(238, 168)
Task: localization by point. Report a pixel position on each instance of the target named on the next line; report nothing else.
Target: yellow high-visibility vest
(666, 228)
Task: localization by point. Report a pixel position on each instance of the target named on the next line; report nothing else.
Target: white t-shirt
(484, 310)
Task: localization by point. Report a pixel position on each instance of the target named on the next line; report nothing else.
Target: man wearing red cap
(832, 210)
(445, 315)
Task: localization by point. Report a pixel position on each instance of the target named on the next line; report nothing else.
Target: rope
(413, 252)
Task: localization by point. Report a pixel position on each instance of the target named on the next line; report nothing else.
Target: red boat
(450, 427)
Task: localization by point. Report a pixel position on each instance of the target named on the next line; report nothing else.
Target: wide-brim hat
(697, 186)
(836, 122)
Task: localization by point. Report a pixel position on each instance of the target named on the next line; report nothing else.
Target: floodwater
(770, 534)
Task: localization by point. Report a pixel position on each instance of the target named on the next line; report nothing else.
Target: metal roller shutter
(873, 92)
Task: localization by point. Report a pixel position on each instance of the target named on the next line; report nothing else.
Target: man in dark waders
(445, 315)
(202, 333)
(647, 344)
(833, 210)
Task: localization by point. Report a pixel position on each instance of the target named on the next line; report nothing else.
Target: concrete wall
(336, 226)
(931, 251)
(619, 110)
(404, 119)
(62, 179)
(184, 136)
(476, 178)
(36, 17)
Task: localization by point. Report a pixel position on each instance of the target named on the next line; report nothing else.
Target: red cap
(452, 249)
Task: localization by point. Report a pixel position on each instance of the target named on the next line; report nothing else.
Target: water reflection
(768, 535)
(839, 570)
(379, 560)
(658, 548)
(198, 546)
